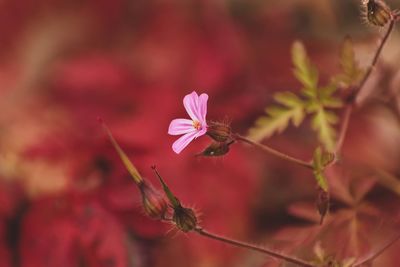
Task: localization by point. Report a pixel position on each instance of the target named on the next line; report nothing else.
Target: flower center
(196, 125)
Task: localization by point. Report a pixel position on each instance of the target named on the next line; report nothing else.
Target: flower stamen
(196, 125)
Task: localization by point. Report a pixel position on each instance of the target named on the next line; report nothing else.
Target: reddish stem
(357, 90)
(236, 243)
(274, 152)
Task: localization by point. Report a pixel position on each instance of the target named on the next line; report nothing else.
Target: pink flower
(196, 107)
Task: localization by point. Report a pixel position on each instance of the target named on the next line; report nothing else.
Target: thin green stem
(237, 243)
(274, 152)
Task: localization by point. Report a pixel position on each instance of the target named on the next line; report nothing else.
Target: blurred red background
(65, 197)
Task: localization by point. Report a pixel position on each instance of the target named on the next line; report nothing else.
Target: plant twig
(274, 152)
(236, 243)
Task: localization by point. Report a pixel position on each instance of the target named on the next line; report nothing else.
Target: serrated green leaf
(332, 102)
(305, 72)
(279, 117)
(322, 122)
(292, 108)
(326, 97)
(347, 58)
(351, 74)
(319, 165)
(288, 99)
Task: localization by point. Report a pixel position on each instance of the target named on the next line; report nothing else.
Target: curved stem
(343, 129)
(357, 90)
(274, 152)
(374, 61)
(236, 243)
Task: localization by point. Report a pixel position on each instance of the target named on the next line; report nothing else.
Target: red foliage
(67, 200)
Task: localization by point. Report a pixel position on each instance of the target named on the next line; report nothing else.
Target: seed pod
(378, 13)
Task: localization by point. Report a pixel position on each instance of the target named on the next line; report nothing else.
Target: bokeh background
(66, 199)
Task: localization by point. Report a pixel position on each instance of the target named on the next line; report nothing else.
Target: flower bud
(154, 204)
(377, 12)
(184, 218)
(216, 149)
(220, 132)
(322, 203)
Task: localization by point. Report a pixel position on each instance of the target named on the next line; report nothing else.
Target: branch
(236, 243)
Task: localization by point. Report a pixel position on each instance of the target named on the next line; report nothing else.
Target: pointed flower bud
(377, 12)
(220, 132)
(137, 178)
(185, 219)
(154, 204)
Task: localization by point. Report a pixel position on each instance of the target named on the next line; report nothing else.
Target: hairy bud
(154, 204)
(377, 12)
(220, 132)
(184, 218)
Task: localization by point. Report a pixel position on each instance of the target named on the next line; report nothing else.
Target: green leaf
(314, 100)
(304, 70)
(319, 166)
(351, 73)
(323, 123)
(326, 97)
(279, 117)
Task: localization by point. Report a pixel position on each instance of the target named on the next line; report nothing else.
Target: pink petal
(183, 141)
(191, 102)
(202, 108)
(180, 126)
